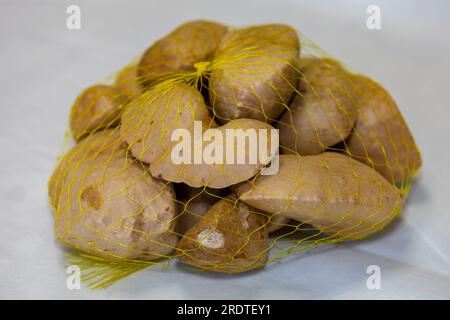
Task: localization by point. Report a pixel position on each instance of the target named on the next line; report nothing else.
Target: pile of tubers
(346, 155)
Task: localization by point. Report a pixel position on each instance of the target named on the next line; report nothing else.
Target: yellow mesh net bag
(226, 150)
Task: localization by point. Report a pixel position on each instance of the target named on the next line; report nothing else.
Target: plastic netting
(345, 157)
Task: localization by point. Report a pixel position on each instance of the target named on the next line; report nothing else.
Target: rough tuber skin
(109, 205)
(147, 126)
(95, 108)
(255, 73)
(323, 112)
(381, 138)
(194, 203)
(192, 42)
(337, 195)
(105, 142)
(230, 237)
(128, 84)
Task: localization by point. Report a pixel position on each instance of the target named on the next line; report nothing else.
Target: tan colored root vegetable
(104, 142)
(254, 73)
(110, 206)
(323, 113)
(381, 137)
(128, 83)
(276, 222)
(97, 107)
(215, 175)
(192, 42)
(148, 124)
(230, 237)
(334, 193)
(267, 35)
(194, 203)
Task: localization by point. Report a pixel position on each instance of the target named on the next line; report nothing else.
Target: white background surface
(44, 66)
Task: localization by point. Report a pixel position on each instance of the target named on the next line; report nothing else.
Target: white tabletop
(44, 66)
